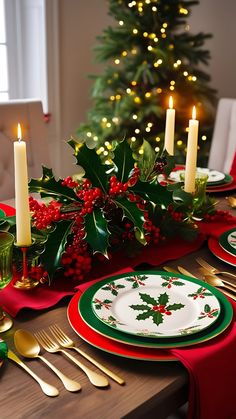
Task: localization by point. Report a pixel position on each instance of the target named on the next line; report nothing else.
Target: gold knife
(185, 272)
(216, 281)
(208, 280)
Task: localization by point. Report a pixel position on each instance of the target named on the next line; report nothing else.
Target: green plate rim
(2, 213)
(218, 327)
(224, 242)
(157, 336)
(228, 178)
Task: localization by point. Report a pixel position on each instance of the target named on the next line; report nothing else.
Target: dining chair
(29, 113)
(223, 145)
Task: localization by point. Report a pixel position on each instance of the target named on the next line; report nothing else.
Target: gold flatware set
(209, 275)
(28, 345)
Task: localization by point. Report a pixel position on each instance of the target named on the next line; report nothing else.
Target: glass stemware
(6, 250)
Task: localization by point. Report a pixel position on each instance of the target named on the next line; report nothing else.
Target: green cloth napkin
(3, 349)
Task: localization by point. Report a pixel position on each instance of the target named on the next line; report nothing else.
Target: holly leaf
(181, 197)
(157, 317)
(148, 299)
(55, 246)
(123, 160)
(145, 315)
(89, 160)
(140, 307)
(153, 191)
(47, 185)
(11, 220)
(179, 283)
(97, 232)
(134, 214)
(207, 308)
(163, 299)
(175, 306)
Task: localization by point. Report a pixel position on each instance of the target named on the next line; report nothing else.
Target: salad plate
(186, 339)
(214, 176)
(227, 241)
(155, 305)
(220, 253)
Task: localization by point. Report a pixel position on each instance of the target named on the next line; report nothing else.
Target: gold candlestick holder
(25, 282)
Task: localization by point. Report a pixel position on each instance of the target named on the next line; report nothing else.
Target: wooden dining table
(151, 389)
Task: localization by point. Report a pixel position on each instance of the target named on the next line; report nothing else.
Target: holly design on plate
(155, 308)
(200, 293)
(169, 281)
(137, 280)
(99, 304)
(189, 330)
(113, 288)
(232, 240)
(208, 312)
(111, 321)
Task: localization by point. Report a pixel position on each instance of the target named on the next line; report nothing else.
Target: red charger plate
(7, 209)
(220, 253)
(109, 345)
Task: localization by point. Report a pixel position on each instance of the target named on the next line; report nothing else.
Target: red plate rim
(109, 345)
(220, 253)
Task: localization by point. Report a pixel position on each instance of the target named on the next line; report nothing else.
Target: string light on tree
(136, 45)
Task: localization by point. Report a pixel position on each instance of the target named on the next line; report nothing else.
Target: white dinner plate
(155, 305)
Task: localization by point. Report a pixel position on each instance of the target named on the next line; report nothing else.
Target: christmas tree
(149, 54)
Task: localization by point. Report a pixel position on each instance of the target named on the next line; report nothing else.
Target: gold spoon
(27, 346)
(232, 201)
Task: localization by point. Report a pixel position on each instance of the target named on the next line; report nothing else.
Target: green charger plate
(223, 321)
(224, 243)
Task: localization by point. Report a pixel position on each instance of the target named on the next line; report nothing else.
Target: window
(23, 50)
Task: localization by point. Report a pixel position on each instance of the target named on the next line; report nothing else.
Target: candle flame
(19, 133)
(171, 102)
(194, 112)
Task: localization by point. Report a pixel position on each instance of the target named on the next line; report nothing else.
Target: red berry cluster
(218, 215)
(176, 215)
(43, 216)
(76, 264)
(116, 187)
(134, 176)
(162, 309)
(89, 197)
(38, 272)
(70, 183)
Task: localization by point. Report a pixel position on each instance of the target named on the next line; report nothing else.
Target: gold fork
(51, 346)
(65, 341)
(213, 270)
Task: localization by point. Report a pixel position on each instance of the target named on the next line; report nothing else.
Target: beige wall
(80, 21)
(218, 18)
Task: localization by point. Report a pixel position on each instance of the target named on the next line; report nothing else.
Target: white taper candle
(191, 157)
(23, 226)
(170, 128)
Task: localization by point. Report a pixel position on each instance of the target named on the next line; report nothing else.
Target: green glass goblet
(6, 250)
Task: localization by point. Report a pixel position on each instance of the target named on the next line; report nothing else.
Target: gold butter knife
(185, 272)
(216, 281)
